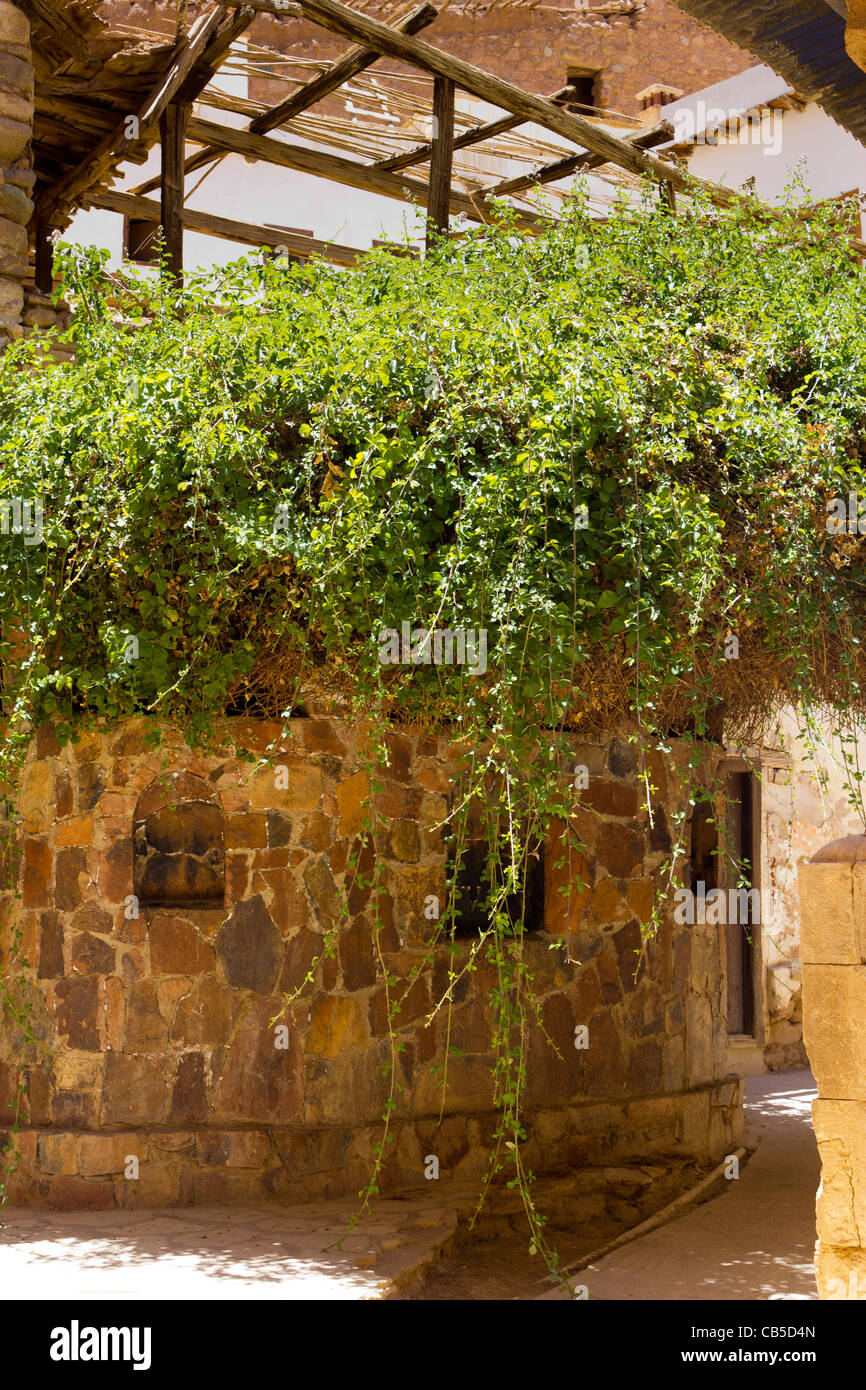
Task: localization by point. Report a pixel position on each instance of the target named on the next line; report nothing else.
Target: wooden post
(44, 259)
(439, 204)
(172, 130)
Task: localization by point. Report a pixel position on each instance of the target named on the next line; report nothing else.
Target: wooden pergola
(87, 100)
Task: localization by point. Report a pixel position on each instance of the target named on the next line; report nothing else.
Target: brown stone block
(834, 1006)
(325, 900)
(399, 750)
(189, 1096)
(631, 965)
(73, 1109)
(63, 791)
(250, 947)
(832, 914)
(92, 956)
(610, 798)
(58, 1154)
(77, 1194)
(47, 742)
(279, 829)
(316, 831)
(134, 1090)
(320, 736)
(602, 1061)
(71, 878)
(271, 858)
(469, 1087)
(204, 1016)
(92, 917)
(620, 850)
(76, 830)
(357, 955)
(303, 949)
(287, 901)
(36, 873)
(115, 1009)
(607, 906)
(99, 1154)
(567, 885)
(145, 1029)
(51, 966)
(247, 830)
(403, 841)
(305, 1151)
(160, 1184)
(76, 1008)
(352, 799)
(337, 1024)
(237, 876)
(304, 791)
(36, 796)
(641, 898)
(177, 949)
(261, 1081)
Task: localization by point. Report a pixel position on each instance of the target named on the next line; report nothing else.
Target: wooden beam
(571, 164)
(98, 165)
(62, 32)
(148, 210)
(421, 153)
(334, 167)
(439, 197)
(355, 61)
(172, 137)
(339, 19)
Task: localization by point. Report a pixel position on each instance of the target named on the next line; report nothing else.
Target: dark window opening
(140, 241)
(585, 84)
(703, 847)
(473, 886)
(179, 846)
(740, 932)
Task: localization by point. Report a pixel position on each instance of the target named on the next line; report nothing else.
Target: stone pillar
(16, 174)
(833, 950)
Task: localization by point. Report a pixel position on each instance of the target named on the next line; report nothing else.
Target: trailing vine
(610, 448)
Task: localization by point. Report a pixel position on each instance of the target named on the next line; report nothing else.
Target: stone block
(261, 1081)
(830, 931)
(36, 798)
(99, 1154)
(177, 949)
(58, 1153)
(352, 799)
(134, 1090)
(204, 1016)
(337, 1025)
(834, 1007)
(250, 947)
(77, 1013)
(13, 141)
(14, 25)
(840, 1129)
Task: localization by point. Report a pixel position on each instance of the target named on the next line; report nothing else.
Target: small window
(140, 241)
(473, 888)
(585, 84)
(179, 844)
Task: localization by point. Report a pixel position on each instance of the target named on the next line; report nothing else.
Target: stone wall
(532, 47)
(16, 174)
(156, 1032)
(805, 802)
(833, 946)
